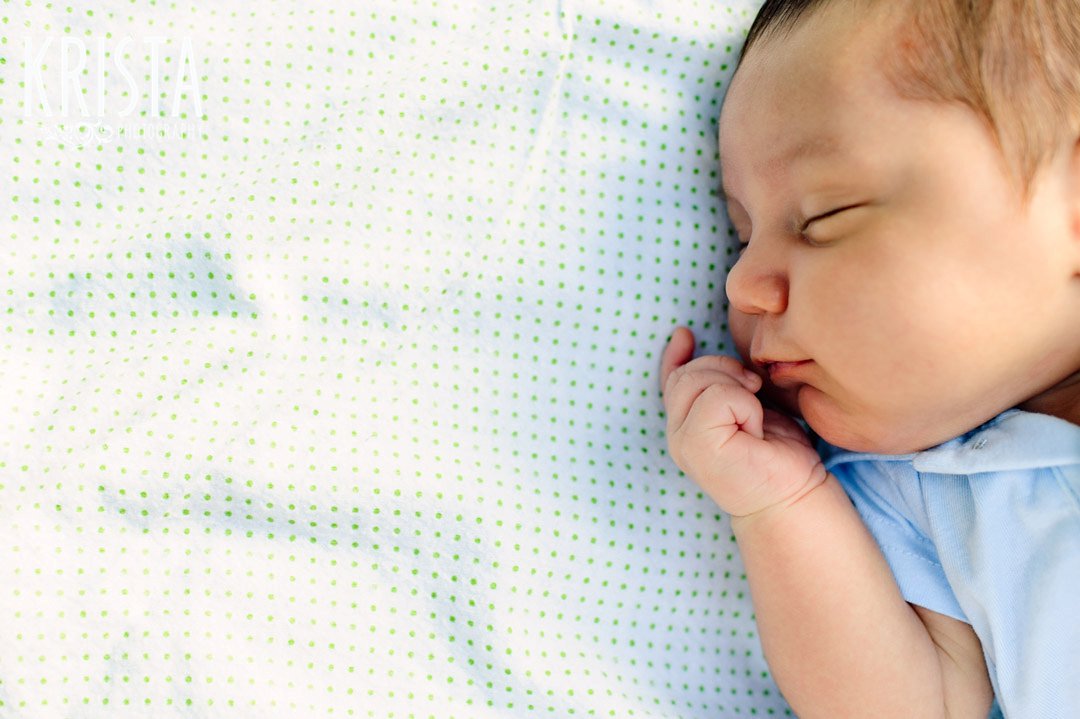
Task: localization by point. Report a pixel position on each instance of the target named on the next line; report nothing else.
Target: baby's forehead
(833, 43)
(781, 104)
(1013, 65)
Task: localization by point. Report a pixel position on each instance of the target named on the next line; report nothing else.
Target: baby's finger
(686, 383)
(730, 366)
(725, 407)
(678, 352)
(707, 369)
(777, 424)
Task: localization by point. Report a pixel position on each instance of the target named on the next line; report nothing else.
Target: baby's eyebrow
(813, 146)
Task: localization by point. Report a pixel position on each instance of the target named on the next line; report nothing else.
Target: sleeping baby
(904, 179)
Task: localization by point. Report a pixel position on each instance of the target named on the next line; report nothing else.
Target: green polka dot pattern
(329, 336)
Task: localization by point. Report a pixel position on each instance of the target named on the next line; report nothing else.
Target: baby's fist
(745, 457)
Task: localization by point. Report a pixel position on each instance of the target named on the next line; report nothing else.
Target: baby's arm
(838, 636)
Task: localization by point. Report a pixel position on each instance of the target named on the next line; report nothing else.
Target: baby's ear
(1074, 204)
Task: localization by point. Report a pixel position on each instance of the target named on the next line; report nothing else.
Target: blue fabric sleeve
(985, 528)
(881, 492)
(1010, 541)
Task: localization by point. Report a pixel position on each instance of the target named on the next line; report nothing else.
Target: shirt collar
(1014, 440)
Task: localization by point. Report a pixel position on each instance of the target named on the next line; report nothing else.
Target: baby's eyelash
(804, 225)
(825, 215)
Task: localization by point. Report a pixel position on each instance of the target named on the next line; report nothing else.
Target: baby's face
(895, 291)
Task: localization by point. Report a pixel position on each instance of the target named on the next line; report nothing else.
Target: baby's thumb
(679, 351)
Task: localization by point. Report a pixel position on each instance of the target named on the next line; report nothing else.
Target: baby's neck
(1062, 400)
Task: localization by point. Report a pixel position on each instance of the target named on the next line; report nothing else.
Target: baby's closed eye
(828, 226)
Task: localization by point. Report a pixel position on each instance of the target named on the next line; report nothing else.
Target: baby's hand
(745, 457)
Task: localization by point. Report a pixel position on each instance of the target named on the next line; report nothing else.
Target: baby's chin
(840, 437)
(837, 426)
(825, 425)
(859, 432)
(868, 428)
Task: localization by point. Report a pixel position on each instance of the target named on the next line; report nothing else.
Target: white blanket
(336, 394)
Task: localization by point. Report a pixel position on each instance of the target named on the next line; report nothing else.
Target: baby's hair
(1015, 63)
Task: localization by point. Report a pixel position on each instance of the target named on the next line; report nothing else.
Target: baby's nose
(755, 286)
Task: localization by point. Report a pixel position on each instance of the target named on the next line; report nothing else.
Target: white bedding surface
(340, 399)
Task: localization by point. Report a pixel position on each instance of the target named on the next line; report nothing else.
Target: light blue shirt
(986, 528)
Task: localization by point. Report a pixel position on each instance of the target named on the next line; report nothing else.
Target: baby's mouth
(787, 373)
